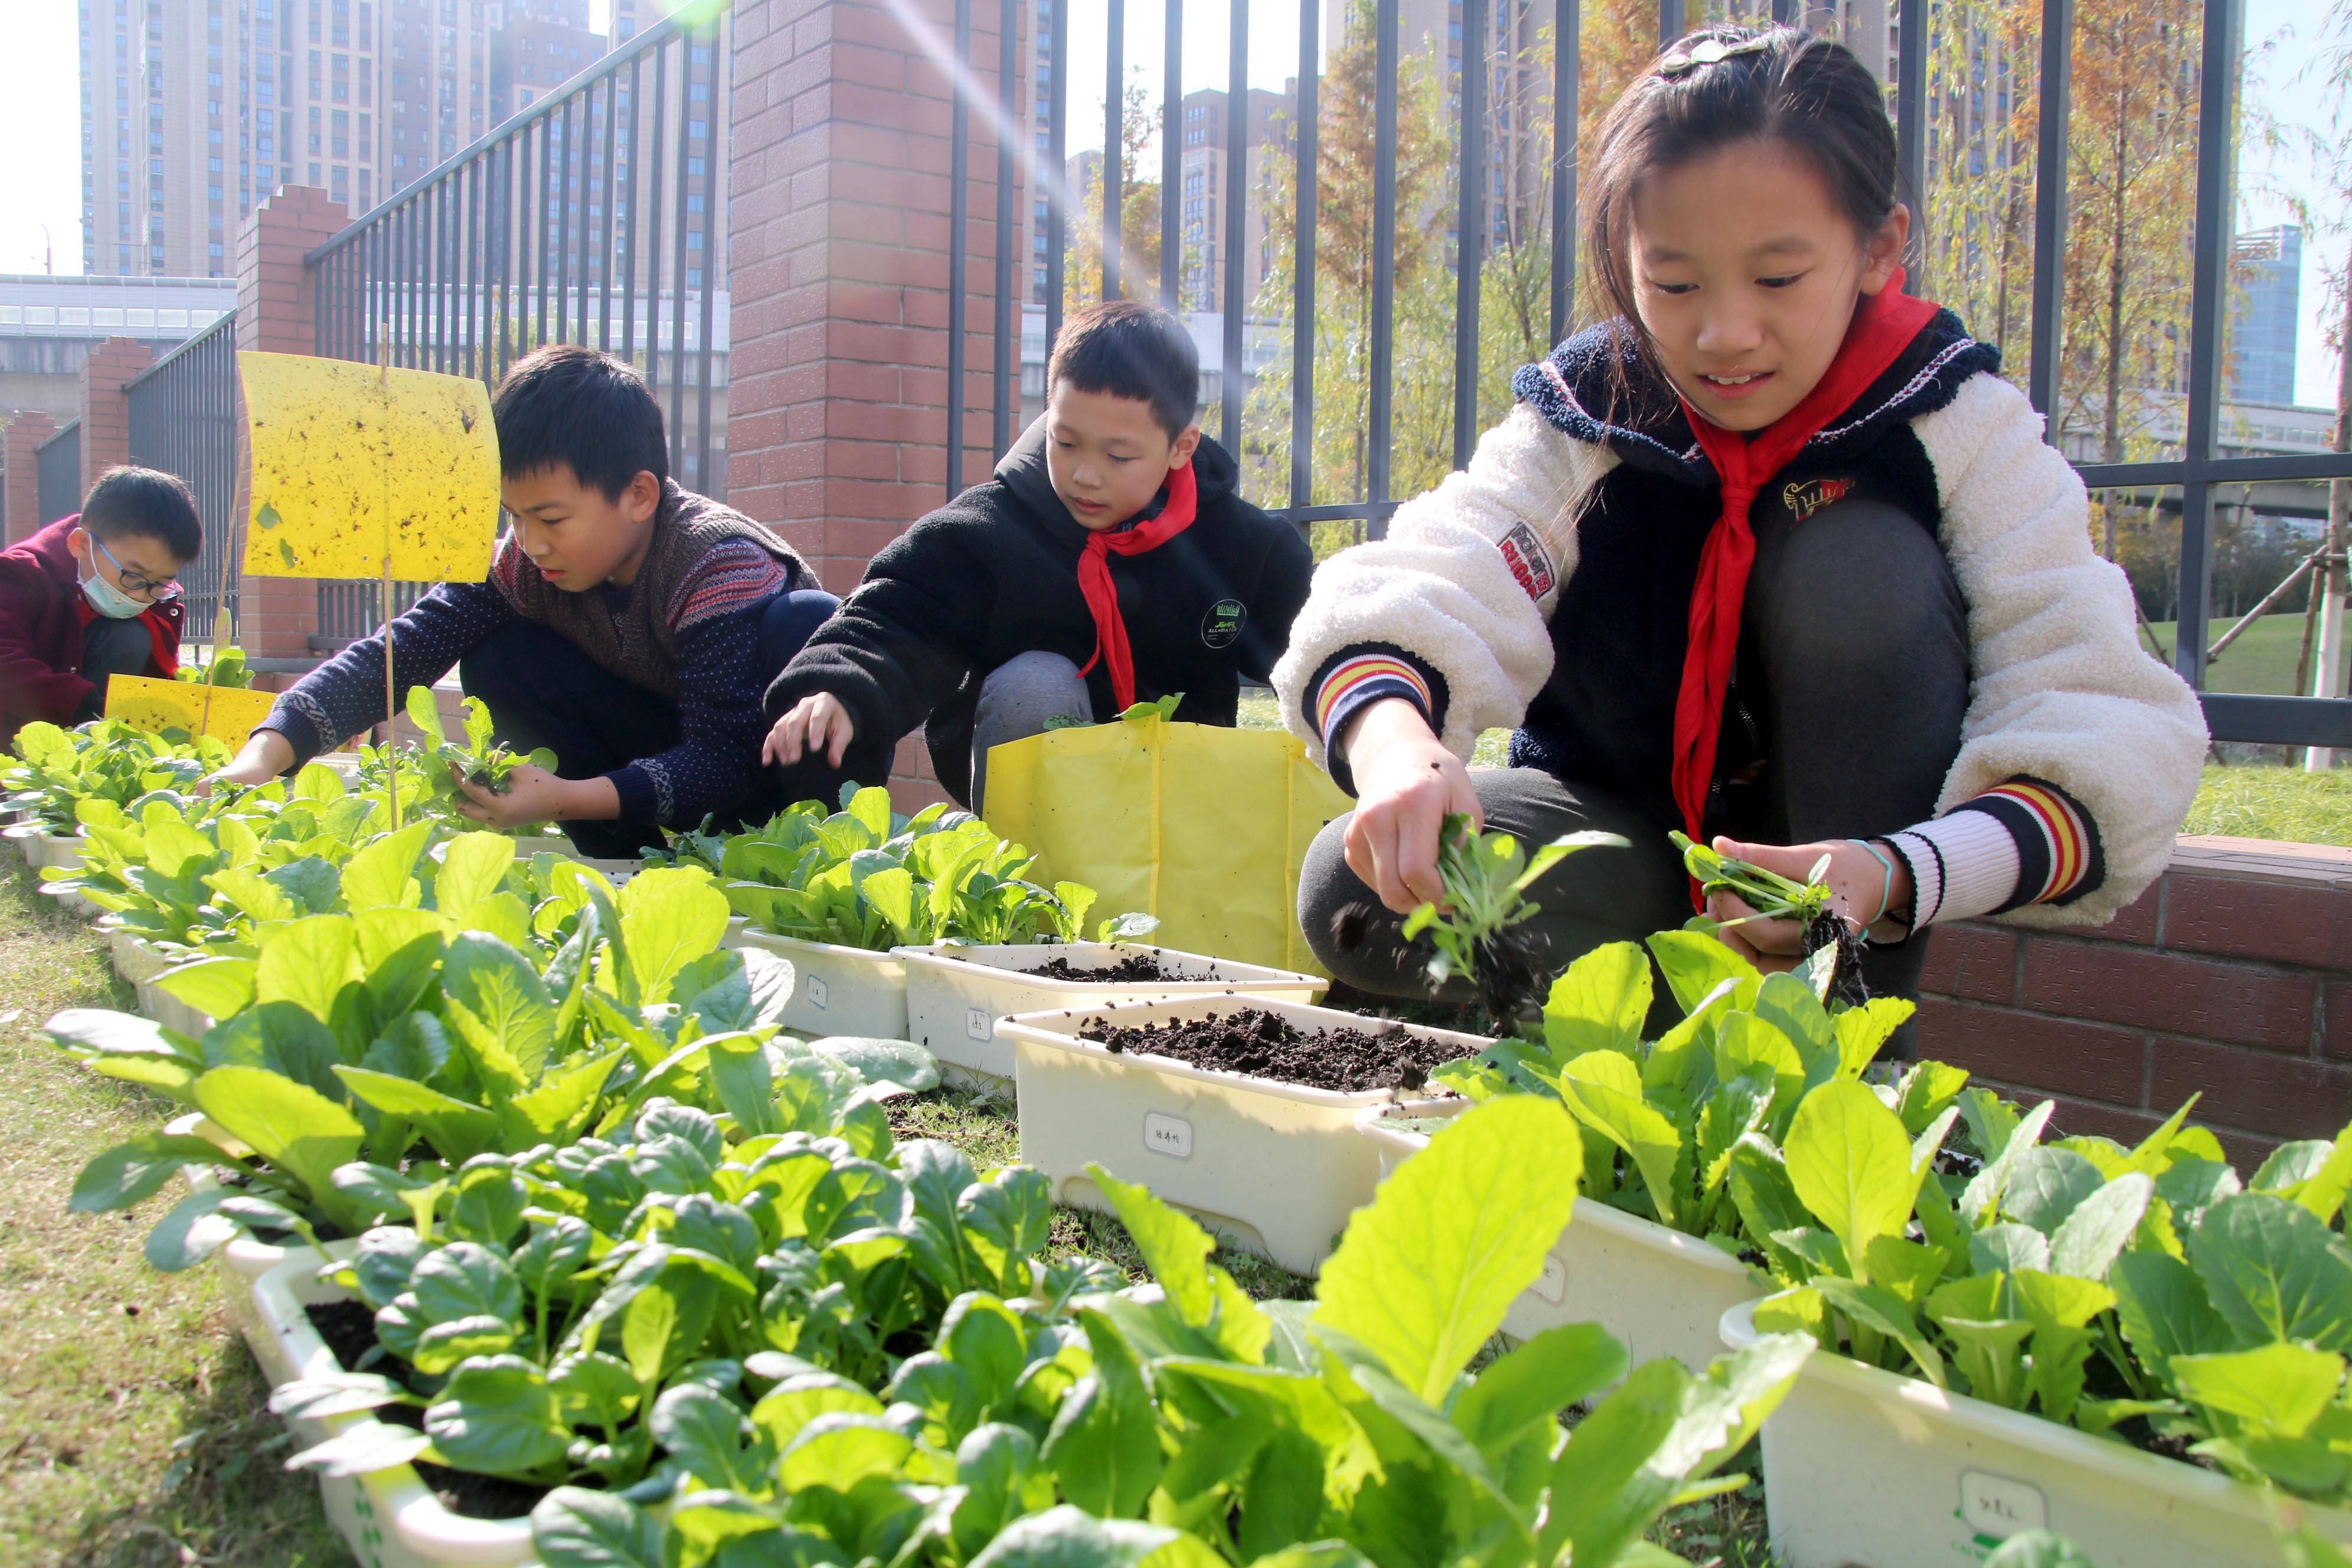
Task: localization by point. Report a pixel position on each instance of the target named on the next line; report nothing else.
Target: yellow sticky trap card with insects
(354, 462)
(225, 712)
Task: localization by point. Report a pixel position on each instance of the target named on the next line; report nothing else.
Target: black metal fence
(183, 421)
(597, 215)
(57, 473)
(1496, 34)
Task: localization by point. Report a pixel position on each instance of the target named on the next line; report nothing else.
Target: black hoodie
(994, 573)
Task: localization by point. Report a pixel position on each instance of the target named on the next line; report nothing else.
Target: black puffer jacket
(994, 574)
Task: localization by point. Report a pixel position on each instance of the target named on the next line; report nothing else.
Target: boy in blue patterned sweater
(628, 626)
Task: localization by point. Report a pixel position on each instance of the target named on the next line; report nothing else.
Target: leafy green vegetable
(1486, 876)
(480, 760)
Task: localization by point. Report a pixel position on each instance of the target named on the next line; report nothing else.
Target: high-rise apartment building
(1206, 167)
(2263, 335)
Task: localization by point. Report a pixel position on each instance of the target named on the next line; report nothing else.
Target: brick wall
(2231, 979)
(20, 478)
(838, 399)
(105, 411)
(276, 313)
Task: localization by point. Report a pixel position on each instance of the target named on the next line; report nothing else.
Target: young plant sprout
(482, 762)
(1486, 876)
(1776, 898)
(226, 665)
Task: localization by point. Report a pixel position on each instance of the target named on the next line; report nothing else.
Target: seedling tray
(839, 989)
(1661, 1291)
(1864, 1466)
(955, 995)
(1275, 1167)
(389, 1518)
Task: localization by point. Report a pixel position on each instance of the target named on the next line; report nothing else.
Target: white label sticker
(1168, 1135)
(817, 991)
(1552, 1283)
(978, 1024)
(1999, 1507)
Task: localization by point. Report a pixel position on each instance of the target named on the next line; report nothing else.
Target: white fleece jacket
(2060, 689)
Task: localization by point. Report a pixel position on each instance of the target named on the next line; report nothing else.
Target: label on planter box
(1999, 1507)
(1168, 1135)
(818, 991)
(1552, 1283)
(978, 1024)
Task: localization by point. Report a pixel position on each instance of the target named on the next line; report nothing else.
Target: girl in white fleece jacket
(1776, 558)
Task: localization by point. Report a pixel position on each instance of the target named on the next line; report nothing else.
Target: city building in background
(49, 324)
(2263, 335)
(1206, 167)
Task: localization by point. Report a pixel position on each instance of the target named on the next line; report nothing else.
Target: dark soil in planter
(1264, 1044)
(1126, 971)
(348, 1328)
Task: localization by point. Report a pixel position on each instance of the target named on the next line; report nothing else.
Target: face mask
(109, 600)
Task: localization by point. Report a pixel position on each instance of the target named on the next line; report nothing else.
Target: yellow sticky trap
(350, 457)
(225, 712)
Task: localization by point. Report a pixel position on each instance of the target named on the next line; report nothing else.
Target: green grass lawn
(2260, 663)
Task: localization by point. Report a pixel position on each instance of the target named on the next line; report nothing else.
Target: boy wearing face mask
(94, 595)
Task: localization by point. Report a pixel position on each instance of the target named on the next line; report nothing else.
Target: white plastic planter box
(136, 960)
(1275, 1167)
(43, 848)
(71, 899)
(390, 1518)
(1866, 1467)
(839, 989)
(21, 836)
(242, 1260)
(1661, 1291)
(163, 1008)
(956, 994)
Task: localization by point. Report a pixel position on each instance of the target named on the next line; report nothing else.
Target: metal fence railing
(182, 412)
(57, 473)
(596, 216)
(1519, 106)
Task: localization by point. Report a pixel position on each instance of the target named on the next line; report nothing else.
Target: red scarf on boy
(1884, 325)
(1102, 593)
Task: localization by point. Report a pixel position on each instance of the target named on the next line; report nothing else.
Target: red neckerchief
(1102, 593)
(1884, 325)
(162, 638)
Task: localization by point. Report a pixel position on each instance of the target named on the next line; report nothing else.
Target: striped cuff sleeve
(1356, 678)
(2026, 842)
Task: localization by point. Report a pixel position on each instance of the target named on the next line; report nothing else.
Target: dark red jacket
(42, 613)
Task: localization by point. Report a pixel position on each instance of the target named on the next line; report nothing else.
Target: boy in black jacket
(1110, 561)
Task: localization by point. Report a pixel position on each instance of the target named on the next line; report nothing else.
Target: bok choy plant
(1104, 1428)
(105, 762)
(1486, 876)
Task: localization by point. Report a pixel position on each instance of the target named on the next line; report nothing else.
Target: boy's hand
(816, 723)
(1407, 783)
(1857, 883)
(265, 755)
(534, 795)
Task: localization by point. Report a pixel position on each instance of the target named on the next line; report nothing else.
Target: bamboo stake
(384, 590)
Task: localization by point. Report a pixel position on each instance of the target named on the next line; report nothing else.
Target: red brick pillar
(277, 617)
(105, 411)
(840, 243)
(20, 480)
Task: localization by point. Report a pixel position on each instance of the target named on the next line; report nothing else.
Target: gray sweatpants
(1862, 636)
(1024, 697)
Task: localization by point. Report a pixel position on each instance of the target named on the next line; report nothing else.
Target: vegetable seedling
(1486, 876)
(481, 762)
(1776, 898)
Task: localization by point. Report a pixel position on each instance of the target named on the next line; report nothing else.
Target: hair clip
(1684, 60)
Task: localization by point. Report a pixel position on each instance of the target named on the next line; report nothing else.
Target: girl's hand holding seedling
(1858, 889)
(1407, 784)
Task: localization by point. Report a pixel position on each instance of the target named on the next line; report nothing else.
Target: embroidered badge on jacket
(1222, 626)
(1805, 497)
(1523, 552)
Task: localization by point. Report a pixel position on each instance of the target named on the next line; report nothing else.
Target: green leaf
(2275, 1271)
(2089, 1240)
(456, 1130)
(297, 1129)
(1174, 1246)
(574, 1528)
(705, 1431)
(2045, 1185)
(473, 867)
(137, 1169)
(559, 1108)
(311, 963)
(497, 1415)
(1600, 1004)
(425, 715)
(2278, 1389)
(361, 1449)
(1881, 1311)
(1425, 1275)
(1603, 1090)
(2163, 1309)
(190, 1232)
(1067, 1537)
(1530, 1386)
(500, 1009)
(888, 1066)
(217, 987)
(1849, 1162)
(1987, 1119)
(837, 1451)
(1105, 1443)
(1695, 963)
(669, 918)
(381, 875)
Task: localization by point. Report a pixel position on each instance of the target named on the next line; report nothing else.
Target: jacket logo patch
(1805, 497)
(1523, 552)
(1222, 626)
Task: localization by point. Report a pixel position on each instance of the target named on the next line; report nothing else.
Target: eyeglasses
(133, 583)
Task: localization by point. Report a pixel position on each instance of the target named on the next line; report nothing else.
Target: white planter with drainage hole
(1275, 1167)
(956, 994)
(1661, 1291)
(1867, 1467)
(390, 1518)
(838, 990)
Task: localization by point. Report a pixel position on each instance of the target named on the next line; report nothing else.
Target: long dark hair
(1711, 89)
